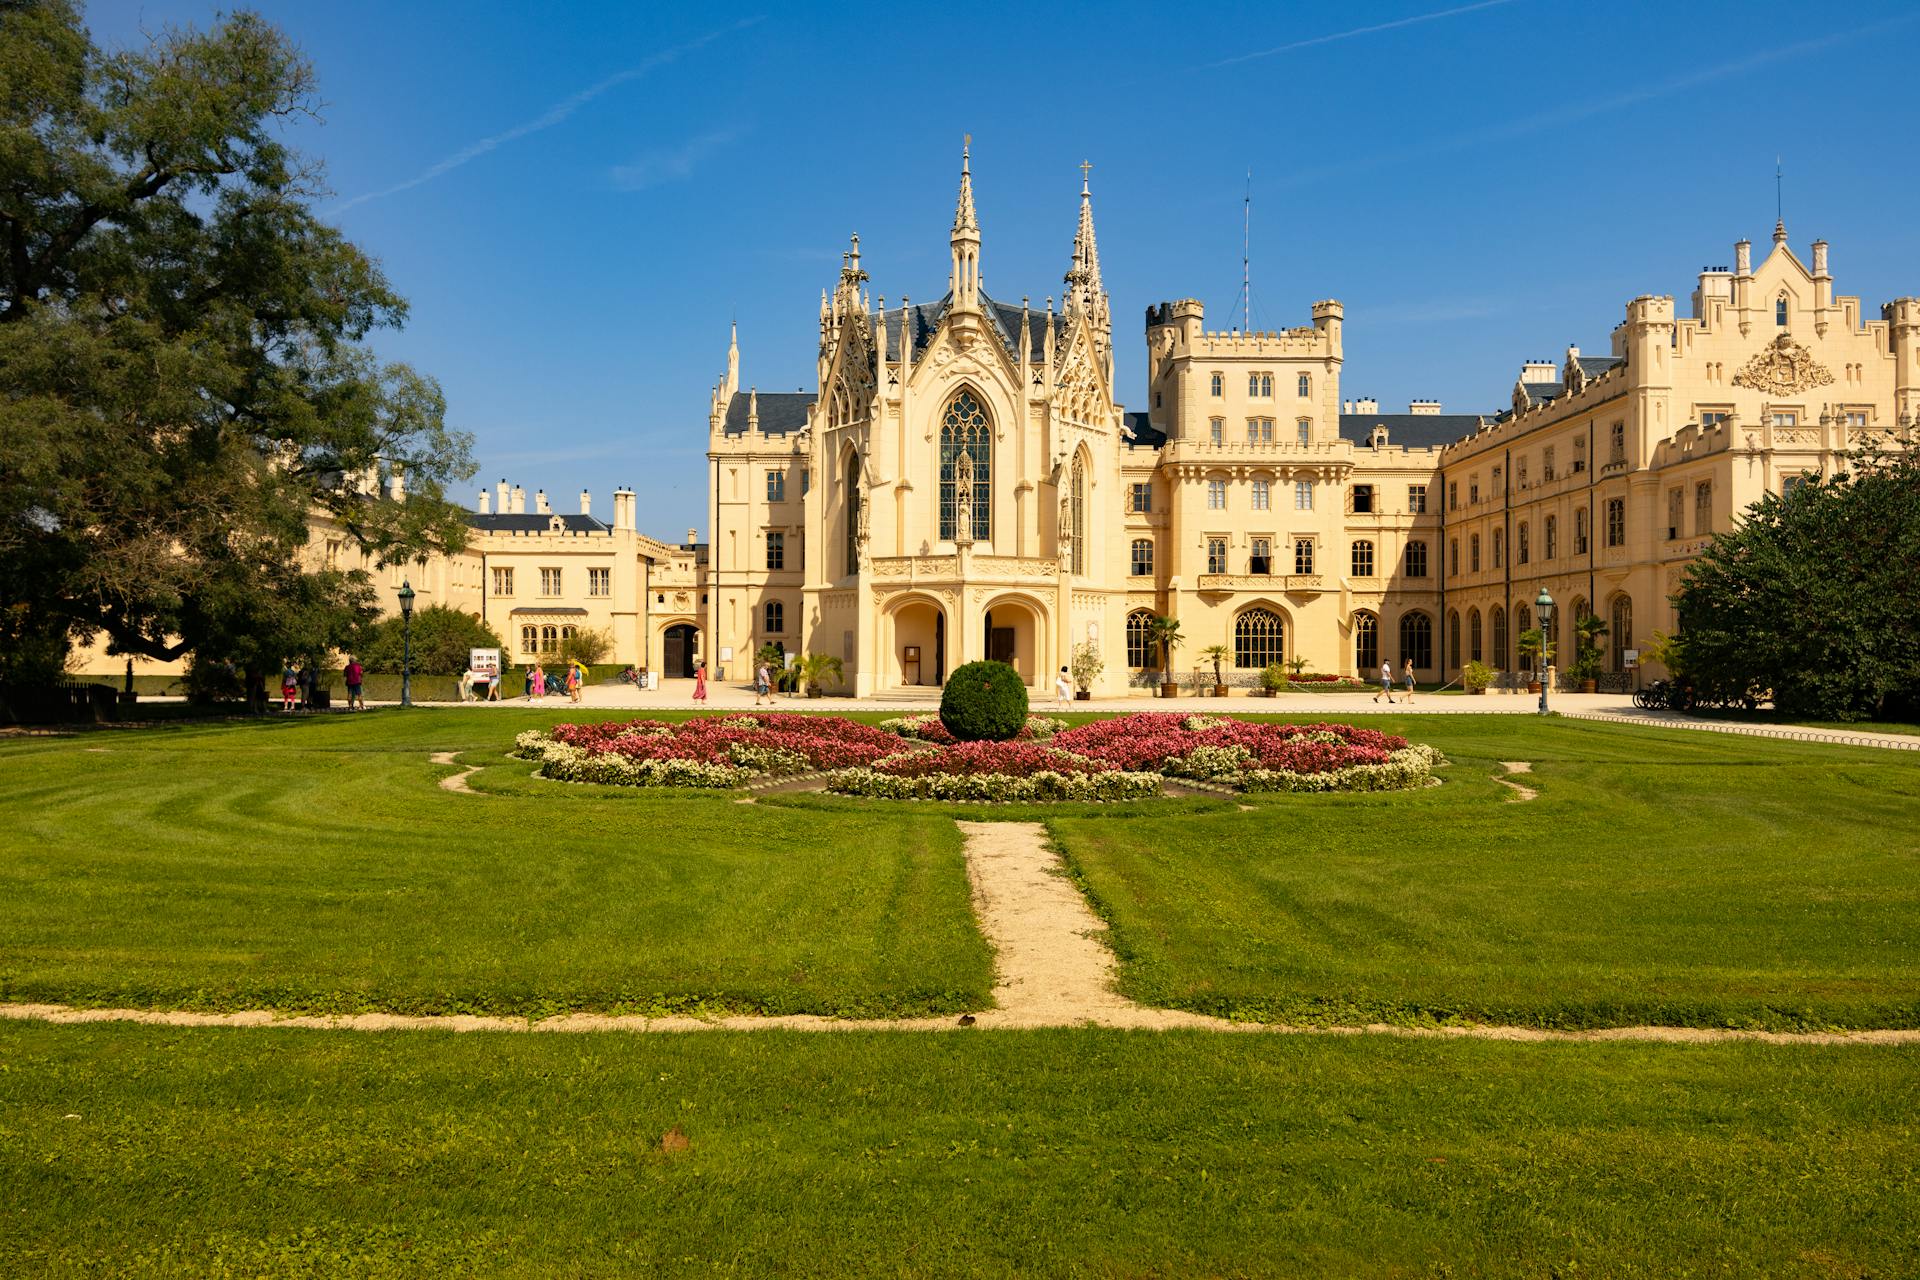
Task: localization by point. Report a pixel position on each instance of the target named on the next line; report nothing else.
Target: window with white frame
(1362, 559)
(1305, 386)
(1417, 499)
(1303, 430)
(1142, 559)
(599, 582)
(549, 582)
(1216, 495)
(1259, 430)
(1141, 496)
(1785, 418)
(503, 582)
(1303, 495)
(1217, 430)
(1216, 555)
(1262, 495)
(776, 486)
(1219, 384)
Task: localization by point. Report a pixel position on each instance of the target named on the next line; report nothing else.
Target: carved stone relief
(1783, 368)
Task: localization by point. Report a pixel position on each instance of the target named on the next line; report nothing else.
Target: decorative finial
(1086, 167)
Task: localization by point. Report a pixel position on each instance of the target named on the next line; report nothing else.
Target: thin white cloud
(1356, 32)
(658, 165)
(547, 119)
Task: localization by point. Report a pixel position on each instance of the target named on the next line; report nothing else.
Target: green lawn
(131, 1150)
(316, 865)
(1669, 877)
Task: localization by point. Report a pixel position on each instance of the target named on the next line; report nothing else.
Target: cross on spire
(1086, 167)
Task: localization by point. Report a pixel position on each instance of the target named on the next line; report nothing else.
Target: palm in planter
(818, 668)
(1165, 632)
(1587, 631)
(1217, 654)
(1534, 647)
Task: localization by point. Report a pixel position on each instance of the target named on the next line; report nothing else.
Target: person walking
(305, 680)
(356, 675)
(700, 683)
(466, 685)
(1062, 690)
(289, 687)
(1386, 681)
(1406, 676)
(762, 683)
(573, 684)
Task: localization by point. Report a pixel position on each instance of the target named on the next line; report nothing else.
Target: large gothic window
(964, 429)
(1416, 640)
(1139, 639)
(853, 513)
(1077, 516)
(1259, 639)
(1366, 643)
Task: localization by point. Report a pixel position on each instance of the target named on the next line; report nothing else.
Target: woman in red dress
(700, 683)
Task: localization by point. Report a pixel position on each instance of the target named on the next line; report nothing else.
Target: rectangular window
(1142, 558)
(1363, 559)
(1856, 418)
(776, 486)
(1473, 554)
(1579, 455)
(1219, 384)
(1216, 495)
(1259, 430)
(1143, 497)
(1216, 555)
(776, 551)
(1473, 490)
(1253, 384)
(1416, 559)
(1549, 535)
(1453, 495)
(1580, 532)
(1499, 548)
(1417, 499)
(549, 582)
(1363, 499)
(503, 582)
(1702, 509)
(1303, 555)
(1303, 495)
(1520, 473)
(1303, 430)
(1712, 417)
(599, 582)
(1616, 443)
(1260, 557)
(806, 481)
(1305, 386)
(1616, 522)
(1676, 499)
(1786, 418)
(1546, 463)
(1523, 543)
(1217, 430)
(1262, 495)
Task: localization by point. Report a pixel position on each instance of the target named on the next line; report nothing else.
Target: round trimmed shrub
(984, 702)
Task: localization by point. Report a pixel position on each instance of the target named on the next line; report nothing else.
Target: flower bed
(1119, 759)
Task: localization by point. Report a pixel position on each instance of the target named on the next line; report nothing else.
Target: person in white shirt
(1386, 682)
(1062, 690)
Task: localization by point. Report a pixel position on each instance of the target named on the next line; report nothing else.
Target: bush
(984, 701)
(1273, 677)
(442, 639)
(585, 647)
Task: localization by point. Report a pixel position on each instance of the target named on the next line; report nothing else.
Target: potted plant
(1166, 634)
(1298, 666)
(818, 668)
(1534, 647)
(1476, 676)
(1086, 667)
(1273, 679)
(1217, 654)
(1587, 631)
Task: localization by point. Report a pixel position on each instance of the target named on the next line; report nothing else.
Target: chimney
(519, 500)
(693, 536)
(397, 483)
(1539, 371)
(486, 502)
(1346, 406)
(586, 503)
(502, 503)
(540, 502)
(1423, 408)
(1366, 404)
(623, 508)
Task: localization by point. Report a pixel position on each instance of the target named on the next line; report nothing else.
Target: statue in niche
(963, 497)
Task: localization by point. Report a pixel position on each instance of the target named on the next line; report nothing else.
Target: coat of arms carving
(1783, 369)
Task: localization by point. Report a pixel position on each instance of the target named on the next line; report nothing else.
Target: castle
(964, 483)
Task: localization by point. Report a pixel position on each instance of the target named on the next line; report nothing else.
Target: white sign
(1632, 658)
(726, 653)
(485, 662)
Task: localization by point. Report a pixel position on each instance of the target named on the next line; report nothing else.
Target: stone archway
(916, 649)
(1013, 631)
(680, 644)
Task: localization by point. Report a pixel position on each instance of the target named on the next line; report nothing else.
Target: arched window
(1259, 639)
(530, 640)
(853, 513)
(1078, 515)
(1363, 559)
(549, 639)
(964, 429)
(1453, 637)
(1142, 557)
(776, 617)
(1366, 643)
(1140, 639)
(1780, 311)
(1497, 621)
(1474, 652)
(1522, 623)
(1416, 640)
(1620, 632)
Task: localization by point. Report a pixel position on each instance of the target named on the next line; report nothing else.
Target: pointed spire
(733, 358)
(1084, 275)
(965, 279)
(964, 218)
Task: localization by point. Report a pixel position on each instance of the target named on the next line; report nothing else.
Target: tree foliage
(1815, 597)
(443, 639)
(182, 375)
(984, 701)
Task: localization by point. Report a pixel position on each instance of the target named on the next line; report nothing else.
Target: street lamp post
(1543, 607)
(406, 643)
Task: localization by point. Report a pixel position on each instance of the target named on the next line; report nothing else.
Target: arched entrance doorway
(681, 643)
(918, 651)
(1012, 635)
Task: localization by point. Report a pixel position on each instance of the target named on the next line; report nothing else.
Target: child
(1062, 690)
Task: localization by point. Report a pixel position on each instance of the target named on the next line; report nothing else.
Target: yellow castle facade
(964, 482)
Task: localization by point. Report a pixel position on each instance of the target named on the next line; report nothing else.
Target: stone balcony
(1261, 582)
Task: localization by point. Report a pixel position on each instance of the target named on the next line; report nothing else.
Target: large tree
(183, 380)
(1815, 597)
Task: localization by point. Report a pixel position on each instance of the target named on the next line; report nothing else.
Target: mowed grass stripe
(209, 1153)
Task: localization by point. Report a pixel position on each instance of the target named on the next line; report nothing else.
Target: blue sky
(578, 203)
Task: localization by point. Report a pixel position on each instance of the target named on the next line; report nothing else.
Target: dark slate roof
(534, 522)
(1541, 392)
(1594, 366)
(1412, 430)
(1144, 432)
(780, 412)
(922, 319)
